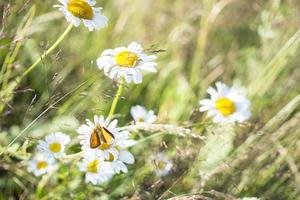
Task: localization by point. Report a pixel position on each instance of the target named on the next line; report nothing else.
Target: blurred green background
(252, 43)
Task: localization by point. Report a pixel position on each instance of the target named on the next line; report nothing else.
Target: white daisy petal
(41, 164)
(126, 157)
(137, 78)
(108, 52)
(54, 145)
(99, 21)
(151, 117)
(226, 104)
(141, 115)
(128, 78)
(114, 152)
(76, 21)
(97, 170)
(162, 165)
(135, 47)
(119, 49)
(150, 67)
(206, 102)
(113, 124)
(126, 62)
(119, 167)
(204, 108)
(77, 11)
(147, 58)
(63, 2)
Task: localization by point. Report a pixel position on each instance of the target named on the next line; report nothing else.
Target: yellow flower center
(104, 146)
(225, 106)
(111, 156)
(41, 165)
(161, 165)
(141, 120)
(93, 166)
(126, 59)
(55, 147)
(81, 9)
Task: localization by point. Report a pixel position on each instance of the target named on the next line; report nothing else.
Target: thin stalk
(116, 99)
(8, 90)
(19, 38)
(210, 14)
(42, 114)
(58, 41)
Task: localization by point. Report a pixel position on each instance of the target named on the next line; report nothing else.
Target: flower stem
(116, 99)
(58, 41)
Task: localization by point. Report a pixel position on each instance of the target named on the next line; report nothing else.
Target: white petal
(137, 78)
(206, 102)
(126, 157)
(107, 52)
(150, 67)
(204, 108)
(135, 47)
(100, 21)
(113, 124)
(128, 78)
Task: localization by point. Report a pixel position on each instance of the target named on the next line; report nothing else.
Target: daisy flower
(226, 104)
(127, 62)
(103, 137)
(97, 170)
(54, 144)
(41, 164)
(162, 164)
(83, 11)
(141, 115)
(124, 157)
(249, 198)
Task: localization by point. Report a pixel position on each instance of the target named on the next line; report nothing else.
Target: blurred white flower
(127, 62)
(54, 144)
(162, 164)
(41, 164)
(226, 104)
(119, 162)
(103, 137)
(249, 198)
(97, 170)
(77, 11)
(141, 115)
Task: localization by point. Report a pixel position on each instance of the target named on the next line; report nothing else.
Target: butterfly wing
(107, 136)
(95, 139)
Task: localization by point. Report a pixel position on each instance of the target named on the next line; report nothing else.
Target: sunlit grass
(254, 44)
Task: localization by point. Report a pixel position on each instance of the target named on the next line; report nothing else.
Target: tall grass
(254, 44)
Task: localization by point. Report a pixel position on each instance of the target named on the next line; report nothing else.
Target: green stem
(10, 58)
(116, 99)
(58, 41)
(7, 91)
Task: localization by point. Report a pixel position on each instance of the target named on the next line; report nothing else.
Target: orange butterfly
(101, 136)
